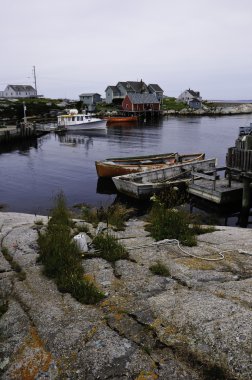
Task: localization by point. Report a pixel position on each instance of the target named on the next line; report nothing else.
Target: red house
(140, 102)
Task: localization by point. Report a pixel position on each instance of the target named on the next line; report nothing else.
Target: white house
(18, 91)
(90, 100)
(188, 95)
(192, 98)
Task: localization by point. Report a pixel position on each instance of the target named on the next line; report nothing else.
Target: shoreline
(201, 310)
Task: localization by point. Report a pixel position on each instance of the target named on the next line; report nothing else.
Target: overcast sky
(85, 45)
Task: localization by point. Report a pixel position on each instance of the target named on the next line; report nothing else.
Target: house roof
(194, 100)
(89, 94)
(133, 86)
(194, 93)
(114, 89)
(155, 87)
(143, 98)
(21, 87)
(137, 86)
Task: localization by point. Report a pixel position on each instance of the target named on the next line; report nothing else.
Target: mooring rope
(175, 241)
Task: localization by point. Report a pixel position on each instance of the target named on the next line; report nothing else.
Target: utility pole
(35, 81)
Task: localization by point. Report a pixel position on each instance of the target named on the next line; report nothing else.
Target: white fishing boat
(144, 184)
(74, 121)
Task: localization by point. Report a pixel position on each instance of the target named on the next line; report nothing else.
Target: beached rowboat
(112, 167)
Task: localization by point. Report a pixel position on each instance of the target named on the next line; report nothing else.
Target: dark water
(32, 174)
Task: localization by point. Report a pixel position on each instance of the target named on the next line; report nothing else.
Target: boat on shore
(144, 184)
(74, 121)
(122, 120)
(112, 167)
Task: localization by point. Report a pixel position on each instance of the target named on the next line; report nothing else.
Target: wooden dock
(219, 192)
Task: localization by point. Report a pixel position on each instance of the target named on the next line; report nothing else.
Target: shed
(140, 102)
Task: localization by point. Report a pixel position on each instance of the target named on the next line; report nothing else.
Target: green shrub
(60, 213)
(160, 269)
(109, 248)
(61, 257)
(172, 104)
(114, 215)
(171, 224)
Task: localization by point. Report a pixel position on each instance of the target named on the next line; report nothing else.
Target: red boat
(122, 120)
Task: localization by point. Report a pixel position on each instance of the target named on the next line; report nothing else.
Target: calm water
(31, 175)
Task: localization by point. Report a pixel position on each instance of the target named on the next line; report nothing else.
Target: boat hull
(144, 184)
(92, 125)
(113, 167)
(117, 121)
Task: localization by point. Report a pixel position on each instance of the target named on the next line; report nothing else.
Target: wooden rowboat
(117, 120)
(112, 167)
(143, 185)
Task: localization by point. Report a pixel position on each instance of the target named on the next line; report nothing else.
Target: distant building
(192, 98)
(157, 90)
(140, 102)
(90, 100)
(18, 91)
(194, 103)
(122, 89)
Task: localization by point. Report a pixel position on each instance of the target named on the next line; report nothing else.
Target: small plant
(114, 215)
(39, 222)
(160, 269)
(61, 256)
(109, 248)
(14, 265)
(90, 215)
(171, 224)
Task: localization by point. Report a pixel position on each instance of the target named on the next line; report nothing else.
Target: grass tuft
(109, 248)
(61, 256)
(171, 224)
(160, 269)
(114, 215)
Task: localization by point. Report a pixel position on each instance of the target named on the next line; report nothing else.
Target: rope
(175, 241)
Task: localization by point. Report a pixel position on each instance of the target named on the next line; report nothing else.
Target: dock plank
(221, 194)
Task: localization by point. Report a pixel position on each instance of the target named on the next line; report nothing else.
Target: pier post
(245, 202)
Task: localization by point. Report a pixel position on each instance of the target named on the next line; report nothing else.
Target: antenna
(35, 81)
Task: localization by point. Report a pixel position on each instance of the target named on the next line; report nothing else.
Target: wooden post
(245, 202)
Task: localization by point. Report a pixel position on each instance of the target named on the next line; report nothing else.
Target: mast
(35, 81)
(25, 118)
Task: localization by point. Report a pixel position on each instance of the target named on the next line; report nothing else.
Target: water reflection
(21, 147)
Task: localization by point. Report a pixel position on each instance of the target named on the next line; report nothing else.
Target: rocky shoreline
(194, 324)
(224, 110)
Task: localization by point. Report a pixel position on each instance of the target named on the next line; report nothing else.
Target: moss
(194, 263)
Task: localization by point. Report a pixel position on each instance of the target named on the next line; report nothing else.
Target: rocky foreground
(195, 324)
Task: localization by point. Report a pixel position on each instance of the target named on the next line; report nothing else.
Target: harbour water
(33, 173)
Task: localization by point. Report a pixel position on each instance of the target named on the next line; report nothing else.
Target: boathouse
(118, 92)
(140, 103)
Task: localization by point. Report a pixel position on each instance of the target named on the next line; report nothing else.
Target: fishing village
(137, 287)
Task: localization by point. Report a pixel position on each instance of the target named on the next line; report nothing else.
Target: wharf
(220, 191)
